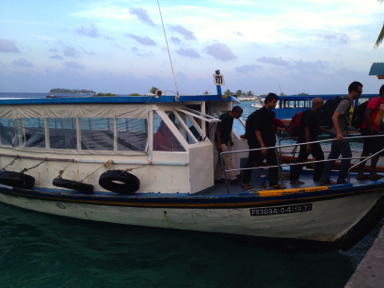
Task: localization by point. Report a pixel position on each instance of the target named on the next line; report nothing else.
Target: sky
(303, 46)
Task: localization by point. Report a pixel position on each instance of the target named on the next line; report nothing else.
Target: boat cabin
(168, 144)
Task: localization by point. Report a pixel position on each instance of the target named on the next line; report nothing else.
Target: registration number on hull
(281, 209)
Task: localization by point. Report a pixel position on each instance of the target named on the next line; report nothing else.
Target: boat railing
(279, 165)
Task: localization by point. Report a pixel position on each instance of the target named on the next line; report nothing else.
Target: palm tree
(380, 38)
(153, 90)
(228, 92)
(250, 93)
(239, 92)
(206, 93)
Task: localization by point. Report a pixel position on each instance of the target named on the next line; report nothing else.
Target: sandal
(297, 182)
(276, 187)
(376, 177)
(362, 177)
(246, 186)
(329, 182)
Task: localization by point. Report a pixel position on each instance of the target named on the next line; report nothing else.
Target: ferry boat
(289, 105)
(100, 159)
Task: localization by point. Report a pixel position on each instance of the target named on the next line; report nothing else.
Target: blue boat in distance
(289, 105)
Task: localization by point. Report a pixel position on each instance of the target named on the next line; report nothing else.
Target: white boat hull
(327, 221)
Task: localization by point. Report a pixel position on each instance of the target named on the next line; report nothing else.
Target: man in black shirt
(223, 137)
(309, 131)
(261, 126)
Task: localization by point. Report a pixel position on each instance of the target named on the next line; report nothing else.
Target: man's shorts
(372, 145)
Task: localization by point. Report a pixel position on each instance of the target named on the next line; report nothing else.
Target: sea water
(42, 250)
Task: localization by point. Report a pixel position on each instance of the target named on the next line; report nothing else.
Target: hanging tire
(119, 181)
(73, 185)
(16, 179)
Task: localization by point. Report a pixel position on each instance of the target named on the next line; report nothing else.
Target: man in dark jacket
(260, 137)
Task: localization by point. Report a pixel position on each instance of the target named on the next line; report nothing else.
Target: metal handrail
(292, 164)
(365, 160)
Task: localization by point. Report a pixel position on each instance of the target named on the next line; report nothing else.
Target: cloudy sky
(118, 46)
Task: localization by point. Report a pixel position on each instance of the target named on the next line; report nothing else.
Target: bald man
(309, 129)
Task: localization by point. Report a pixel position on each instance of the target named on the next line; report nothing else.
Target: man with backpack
(372, 121)
(309, 129)
(341, 119)
(258, 134)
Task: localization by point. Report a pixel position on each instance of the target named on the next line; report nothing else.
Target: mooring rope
(66, 166)
(107, 165)
(11, 163)
(33, 167)
(139, 167)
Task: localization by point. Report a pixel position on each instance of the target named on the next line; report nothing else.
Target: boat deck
(306, 177)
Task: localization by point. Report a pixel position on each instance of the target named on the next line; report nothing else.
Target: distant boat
(257, 105)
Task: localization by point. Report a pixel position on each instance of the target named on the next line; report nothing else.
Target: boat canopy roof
(322, 96)
(117, 100)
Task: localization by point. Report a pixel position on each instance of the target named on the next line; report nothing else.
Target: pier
(370, 272)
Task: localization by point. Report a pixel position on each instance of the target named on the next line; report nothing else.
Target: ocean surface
(41, 250)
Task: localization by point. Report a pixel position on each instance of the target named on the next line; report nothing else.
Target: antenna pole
(169, 54)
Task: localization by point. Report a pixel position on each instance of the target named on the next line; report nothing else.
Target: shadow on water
(41, 250)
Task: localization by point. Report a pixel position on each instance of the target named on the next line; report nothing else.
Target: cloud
(274, 60)
(22, 62)
(188, 53)
(89, 32)
(8, 46)
(143, 40)
(311, 66)
(55, 57)
(70, 52)
(187, 34)
(220, 51)
(74, 65)
(245, 69)
(142, 15)
(134, 49)
(176, 40)
(238, 33)
(338, 37)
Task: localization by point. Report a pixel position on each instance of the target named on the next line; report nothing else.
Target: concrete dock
(370, 272)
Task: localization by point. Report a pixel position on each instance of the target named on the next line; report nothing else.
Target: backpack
(358, 114)
(324, 116)
(249, 126)
(295, 124)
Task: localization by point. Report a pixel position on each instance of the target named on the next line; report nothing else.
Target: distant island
(72, 91)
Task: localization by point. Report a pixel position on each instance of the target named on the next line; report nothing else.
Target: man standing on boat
(223, 137)
(309, 132)
(260, 136)
(341, 119)
(372, 121)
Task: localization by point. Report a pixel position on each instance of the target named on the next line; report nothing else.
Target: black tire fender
(16, 179)
(119, 181)
(73, 185)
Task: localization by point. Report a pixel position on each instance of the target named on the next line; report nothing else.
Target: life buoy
(16, 179)
(119, 181)
(78, 186)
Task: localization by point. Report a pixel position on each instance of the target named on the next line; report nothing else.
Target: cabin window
(163, 139)
(34, 132)
(62, 133)
(131, 134)
(185, 126)
(97, 133)
(6, 132)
